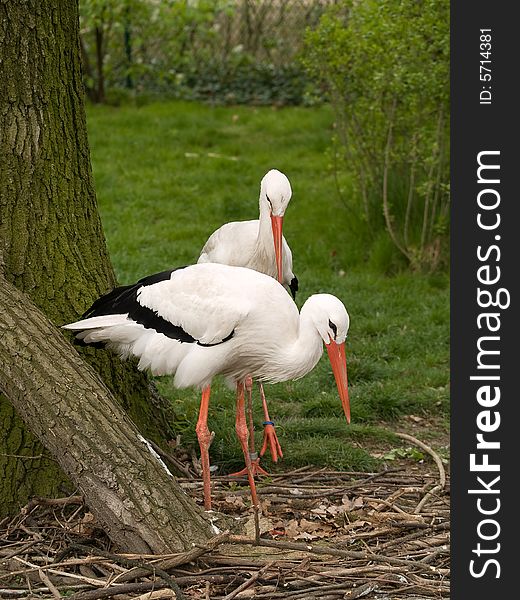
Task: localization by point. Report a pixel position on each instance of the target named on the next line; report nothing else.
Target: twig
(430, 451)
(34, 502)
(157, 595)
(130, 588)
(17, 592)
(179, 465)
(426, 497)
(347, 488)
(23, 456)
(257, 523)
(175, 561)
(443, 550)
(249, 582)
(49, 584)
(137, 569)
(442, 473)
(237, 539)
(412, 536)
(321, 491)
(390, 504)
(21, 550)
(350, 571)
(362, 590)
(35, 568)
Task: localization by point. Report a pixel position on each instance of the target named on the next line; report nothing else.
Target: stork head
(275, 189)
(275, 193)
(331, 319)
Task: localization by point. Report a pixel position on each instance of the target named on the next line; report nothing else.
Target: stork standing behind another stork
(208, 319)
(259, 245)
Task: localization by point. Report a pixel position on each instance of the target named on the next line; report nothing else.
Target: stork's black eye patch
(334, 328)
(269, 200)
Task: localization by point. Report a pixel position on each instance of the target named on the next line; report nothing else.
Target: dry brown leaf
(321, 511)
(235, 502)
(307, 530)
(351, 505)
(265, 525)
(356, 524)
(304, 535)
(85, 526)
(292, 528)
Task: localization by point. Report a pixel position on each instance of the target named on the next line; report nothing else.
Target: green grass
(169, 174)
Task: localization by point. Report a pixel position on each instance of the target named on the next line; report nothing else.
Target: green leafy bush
(385, 65)
(223, 51)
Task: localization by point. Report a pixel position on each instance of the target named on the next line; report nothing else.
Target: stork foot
(255, 468)
(271, 442)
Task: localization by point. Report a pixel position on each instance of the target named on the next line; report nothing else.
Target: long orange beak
(276, 224)
(338, 361)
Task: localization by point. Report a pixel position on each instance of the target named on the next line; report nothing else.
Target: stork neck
(264, 240)
(303, 355)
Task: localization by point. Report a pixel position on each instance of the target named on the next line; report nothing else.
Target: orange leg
(243, 435)
(249, 391)
(204, 437)
(255, 460)
(270, 437)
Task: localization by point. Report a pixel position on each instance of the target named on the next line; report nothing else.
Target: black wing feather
(293, 286)
(123, 300)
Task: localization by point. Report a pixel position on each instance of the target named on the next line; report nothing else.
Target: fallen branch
(438, 461)
(175, 561)
(34, 502)
(179, 465)
(237, 539)
(145, 586)
(129, 588)
(49, 584)
(249, 582)
(157, 595)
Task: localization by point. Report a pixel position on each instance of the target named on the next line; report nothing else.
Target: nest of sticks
(325, 535)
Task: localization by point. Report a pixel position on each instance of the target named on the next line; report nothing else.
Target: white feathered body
(241, 323)
(247, 244)
(251, 244)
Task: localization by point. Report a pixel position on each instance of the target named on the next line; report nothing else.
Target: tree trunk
(51, 237)
(126, 485)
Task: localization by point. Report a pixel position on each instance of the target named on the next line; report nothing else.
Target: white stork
(208, 319)
(258, 245)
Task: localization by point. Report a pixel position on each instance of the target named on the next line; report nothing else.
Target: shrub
(224, 51)
(385, 65)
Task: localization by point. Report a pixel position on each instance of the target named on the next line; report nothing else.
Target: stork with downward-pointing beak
(259, 245)
(208, 319)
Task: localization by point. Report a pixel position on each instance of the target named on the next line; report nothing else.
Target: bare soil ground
(325, 535)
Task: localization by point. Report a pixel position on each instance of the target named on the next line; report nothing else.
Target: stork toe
(255, 468)
(271, 442)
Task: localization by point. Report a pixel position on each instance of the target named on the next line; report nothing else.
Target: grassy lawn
(168, 174)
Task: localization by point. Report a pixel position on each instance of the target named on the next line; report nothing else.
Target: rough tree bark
(125, 484)
(51, 237)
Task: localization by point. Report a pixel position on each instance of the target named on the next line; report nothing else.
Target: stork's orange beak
(338, 361)
(276, 224)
